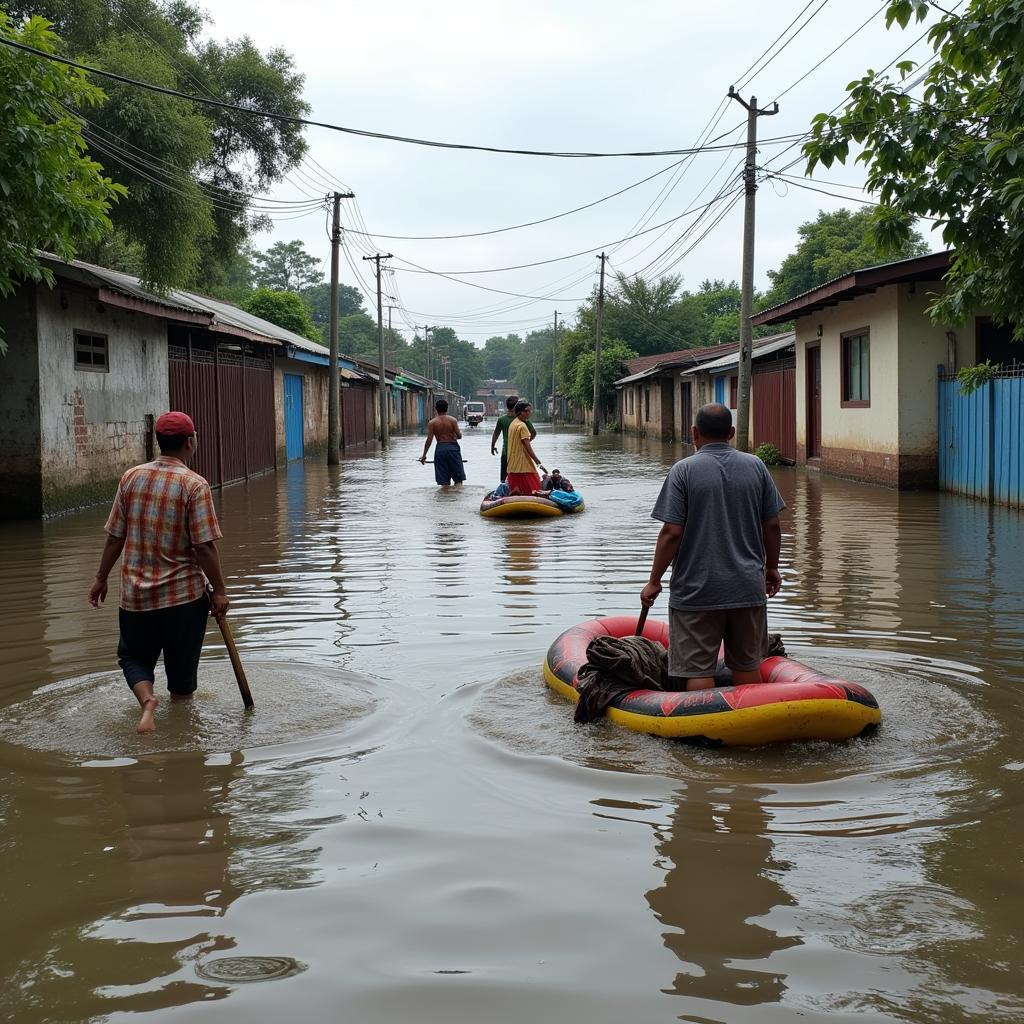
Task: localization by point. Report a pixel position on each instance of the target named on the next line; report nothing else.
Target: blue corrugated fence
(981, 440)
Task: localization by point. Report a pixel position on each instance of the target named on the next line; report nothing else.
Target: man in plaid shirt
(164, 523)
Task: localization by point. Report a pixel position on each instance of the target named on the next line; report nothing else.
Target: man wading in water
(444, 429)
(163, 520)
(722, 536)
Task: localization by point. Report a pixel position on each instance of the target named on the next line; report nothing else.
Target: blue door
(293, 439)
(720, 390)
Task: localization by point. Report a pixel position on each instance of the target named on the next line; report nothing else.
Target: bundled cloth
(616, 666)
(501, 491)
(566, 499)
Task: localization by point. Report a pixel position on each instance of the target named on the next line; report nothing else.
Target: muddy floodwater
(411, 829)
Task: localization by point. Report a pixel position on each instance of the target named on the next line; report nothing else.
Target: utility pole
(554, 363)
(382, 377)
(597, 350)
(426, 355)
(333, 377)
(747, 281)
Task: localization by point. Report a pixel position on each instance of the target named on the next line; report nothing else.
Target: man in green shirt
(501, 427)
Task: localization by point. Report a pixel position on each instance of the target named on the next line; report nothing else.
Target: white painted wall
(875, 428)
(92, 425)
(923, 347)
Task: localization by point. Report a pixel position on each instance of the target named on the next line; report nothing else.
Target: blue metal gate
(981, 440)
(293, 435)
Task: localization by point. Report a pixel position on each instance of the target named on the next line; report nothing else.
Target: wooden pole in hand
(236, 661)
(642, 620)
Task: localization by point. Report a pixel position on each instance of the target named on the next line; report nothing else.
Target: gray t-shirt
(721, 497)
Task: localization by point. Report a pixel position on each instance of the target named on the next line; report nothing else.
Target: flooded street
(413, 818)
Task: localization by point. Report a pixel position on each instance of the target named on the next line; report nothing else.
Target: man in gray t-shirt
(720, 509)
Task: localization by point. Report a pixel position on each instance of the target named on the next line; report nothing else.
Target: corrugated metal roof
(762, 347)
(221, 314)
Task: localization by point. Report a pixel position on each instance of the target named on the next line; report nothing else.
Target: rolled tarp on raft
(523, 506)
(793, 702)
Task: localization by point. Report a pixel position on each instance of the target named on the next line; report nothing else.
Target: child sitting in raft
(553, 481)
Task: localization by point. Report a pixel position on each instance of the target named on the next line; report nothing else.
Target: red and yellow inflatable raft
(793, 702)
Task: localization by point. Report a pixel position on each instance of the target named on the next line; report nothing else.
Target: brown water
(414, 820)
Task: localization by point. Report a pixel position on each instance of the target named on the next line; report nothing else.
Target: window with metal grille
(91, 352)
(856, 370)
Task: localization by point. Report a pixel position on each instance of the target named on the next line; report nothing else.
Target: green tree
(191, 172)
(832, 245)
(318, 301)
(614, 354)
(287, 267)
(956, 155)
(52, 196)
(500, 356)
(286, 309)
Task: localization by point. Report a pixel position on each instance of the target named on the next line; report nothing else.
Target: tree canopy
(286, 309)
(286, 266)
(191, 171)
(52, 195)
(831, 245)
(956, 155)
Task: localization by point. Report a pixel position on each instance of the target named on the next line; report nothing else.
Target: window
(856, 370)
(733, 388)
(91, 352)
(647, 405)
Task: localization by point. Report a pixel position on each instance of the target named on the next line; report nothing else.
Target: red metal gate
(358, 414)
(775, 407)
(230, 396)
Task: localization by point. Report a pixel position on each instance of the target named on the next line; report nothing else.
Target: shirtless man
(444, 429)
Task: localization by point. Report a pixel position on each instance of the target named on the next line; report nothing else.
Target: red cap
(175, 423)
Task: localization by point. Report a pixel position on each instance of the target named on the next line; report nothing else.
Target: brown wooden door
(814, 402)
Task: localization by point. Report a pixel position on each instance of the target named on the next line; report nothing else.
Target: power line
(292, 119)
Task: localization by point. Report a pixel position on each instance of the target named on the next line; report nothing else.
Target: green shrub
(769, 454)
(973, 377)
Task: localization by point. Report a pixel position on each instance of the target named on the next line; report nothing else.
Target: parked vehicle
(474, 413)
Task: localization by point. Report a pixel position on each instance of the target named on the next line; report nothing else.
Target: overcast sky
(562, 74)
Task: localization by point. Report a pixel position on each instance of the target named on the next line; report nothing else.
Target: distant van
(474, 413)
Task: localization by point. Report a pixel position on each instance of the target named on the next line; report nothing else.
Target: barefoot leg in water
(144, 695)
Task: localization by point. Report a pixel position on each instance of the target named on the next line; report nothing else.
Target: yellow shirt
(518, 460)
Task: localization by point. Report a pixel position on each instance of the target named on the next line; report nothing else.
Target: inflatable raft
(793, 702)
(520, 506)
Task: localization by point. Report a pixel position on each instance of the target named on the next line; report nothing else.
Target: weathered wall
(636, 421)
(923, 348)
(20, 465)
(314, 406)
(92, 424)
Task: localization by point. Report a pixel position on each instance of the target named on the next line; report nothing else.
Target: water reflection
(721, 880)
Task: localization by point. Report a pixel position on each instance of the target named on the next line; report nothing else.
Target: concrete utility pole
(554, 363)
(426, 356)
(382, 377)
(597, 350)
(333, 377)
(747, 281)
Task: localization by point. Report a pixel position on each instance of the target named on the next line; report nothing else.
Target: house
(654, 400)
(772, 389)
(868, 364)
(93, 360)
(493, 394)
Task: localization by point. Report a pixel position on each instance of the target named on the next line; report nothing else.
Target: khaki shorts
(696, 636)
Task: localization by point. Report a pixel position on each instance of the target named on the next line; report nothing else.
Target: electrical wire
(308, 122)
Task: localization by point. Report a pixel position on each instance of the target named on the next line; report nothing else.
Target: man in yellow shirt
(522, 477)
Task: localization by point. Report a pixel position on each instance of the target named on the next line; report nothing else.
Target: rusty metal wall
(775, 408)
(358, 414)
(230, 396)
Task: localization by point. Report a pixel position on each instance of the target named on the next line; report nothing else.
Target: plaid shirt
(162, 509)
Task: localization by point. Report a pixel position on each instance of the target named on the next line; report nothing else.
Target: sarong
(522, 483)
(448, 463)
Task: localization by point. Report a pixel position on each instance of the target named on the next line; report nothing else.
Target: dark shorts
(448, 465)
(696, 636)
(504, 466)
(177, 631)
